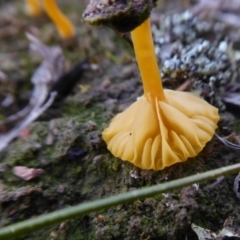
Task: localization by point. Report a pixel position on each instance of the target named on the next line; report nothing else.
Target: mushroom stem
(64, 26)
(33, 7)
(147, 61)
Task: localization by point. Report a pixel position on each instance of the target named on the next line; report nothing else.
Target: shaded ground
(66, 140)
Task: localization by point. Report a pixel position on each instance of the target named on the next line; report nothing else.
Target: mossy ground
(77, 164)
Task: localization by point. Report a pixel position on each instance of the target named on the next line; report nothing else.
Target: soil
(66, 140)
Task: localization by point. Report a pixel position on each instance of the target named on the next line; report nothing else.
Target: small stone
(61, 189)
(105, 83)
(97, 159)
(91, 125)
(128, 71)
(49, 139)
(62, 226)
(3, 167)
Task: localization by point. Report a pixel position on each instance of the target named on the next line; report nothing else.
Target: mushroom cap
(154, 134)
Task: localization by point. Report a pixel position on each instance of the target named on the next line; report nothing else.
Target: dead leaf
(232, 98)
(26, 173)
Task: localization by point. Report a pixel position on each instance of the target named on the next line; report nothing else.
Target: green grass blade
(28, 226)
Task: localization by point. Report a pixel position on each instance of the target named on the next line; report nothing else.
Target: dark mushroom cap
(121, 15)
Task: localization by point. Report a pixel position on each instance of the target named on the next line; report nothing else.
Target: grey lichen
(186, 50)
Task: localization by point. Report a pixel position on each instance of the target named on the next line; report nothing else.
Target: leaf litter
(41, 99)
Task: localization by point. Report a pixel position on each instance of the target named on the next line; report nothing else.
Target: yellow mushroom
(163, 127)
(33, 7)
(64, 26)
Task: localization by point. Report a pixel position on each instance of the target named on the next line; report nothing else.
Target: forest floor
(65, 143)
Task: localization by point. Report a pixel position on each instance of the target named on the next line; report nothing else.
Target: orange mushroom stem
(163, 127)
(33, 7)
(64, 26)
(147, 61)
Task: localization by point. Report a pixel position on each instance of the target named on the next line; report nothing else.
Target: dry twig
(43, 79)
